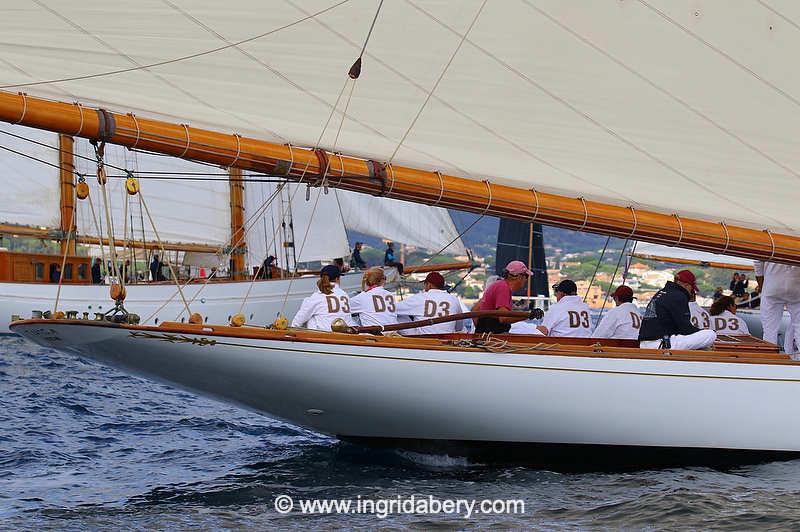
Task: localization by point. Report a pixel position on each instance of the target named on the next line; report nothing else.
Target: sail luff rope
(438, 80)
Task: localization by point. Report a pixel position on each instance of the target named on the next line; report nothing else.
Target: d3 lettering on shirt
(732, 323)
(338, 304)
(431, 307)
(704, 324)
(383, 303)
(636, 320)
(578, 319)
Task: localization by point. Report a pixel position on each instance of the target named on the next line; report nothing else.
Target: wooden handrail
(375, 329)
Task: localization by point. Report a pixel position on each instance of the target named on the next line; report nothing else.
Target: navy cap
(331, 270)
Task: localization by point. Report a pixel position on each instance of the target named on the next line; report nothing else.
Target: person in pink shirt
(498, 297)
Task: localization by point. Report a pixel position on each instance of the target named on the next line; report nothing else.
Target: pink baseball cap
(516, 267)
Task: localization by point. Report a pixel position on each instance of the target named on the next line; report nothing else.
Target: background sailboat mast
(238, 242)
(66, 172)
(410, 184)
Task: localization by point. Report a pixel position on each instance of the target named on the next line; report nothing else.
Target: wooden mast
(405, 183)
(66, 172)
(238, 247)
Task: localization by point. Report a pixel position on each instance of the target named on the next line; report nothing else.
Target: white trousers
(699, 340)
(771, 316)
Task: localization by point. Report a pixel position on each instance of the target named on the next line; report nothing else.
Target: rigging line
(611, 284)
(371, 27)
(436, 85)
(721, 52)
(70, 231)
(594, 274)
(662, 90)
(164, 253)
(778, 13)
(177, 59)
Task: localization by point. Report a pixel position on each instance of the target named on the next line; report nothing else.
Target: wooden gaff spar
(394, 181)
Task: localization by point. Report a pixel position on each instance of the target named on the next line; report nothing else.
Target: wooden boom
(371, 177)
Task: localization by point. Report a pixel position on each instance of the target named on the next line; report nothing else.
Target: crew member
(355, 260)
(326, 304)
(779, 286)
(155, 269)
(624, 320)
(434, 302)
(569, 315)
(390, 260)
(498, 297)
(375, 305)
(724, 318)
(666, 322)
(699, 316)
(97, 272)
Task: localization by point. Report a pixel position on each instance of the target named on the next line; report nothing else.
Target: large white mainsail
(642, 103)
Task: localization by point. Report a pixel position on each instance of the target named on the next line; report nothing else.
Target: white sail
(680, 107)
(430, 228)
(646, 250)
(30, 188)
(317, 230)
(185, 207)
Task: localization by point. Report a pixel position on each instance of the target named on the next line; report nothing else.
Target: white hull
(389, 392)
(216, 301)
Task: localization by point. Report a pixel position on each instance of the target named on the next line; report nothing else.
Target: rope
(178, 59)
(441, 188)
(164, 253)
(66, 250)
(727, 237)
(772, 241)
(585, 214)
(680, 225)
(599, 262)
(80, 110)
(536, 199)
(608, 292)
(439, 79)
(188, 141)
(24, 107)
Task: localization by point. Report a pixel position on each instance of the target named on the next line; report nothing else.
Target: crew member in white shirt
(779, 286)
(434, 302)
(724, 318)
(569, 315)
(624, 320)
(699, 316)
(375, 305)
(322, 307)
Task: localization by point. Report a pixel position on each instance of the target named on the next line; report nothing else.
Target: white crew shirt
(699, 316)
(376, 306)
(729, 323)
(568, 317)
(319, 310)
(431, 304)
(622, 321)
(525, 327)
(780, 280)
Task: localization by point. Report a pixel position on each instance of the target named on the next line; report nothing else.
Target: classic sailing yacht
(200, 213)
(662, 123)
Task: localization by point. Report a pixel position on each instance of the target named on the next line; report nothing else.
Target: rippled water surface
(84, 446)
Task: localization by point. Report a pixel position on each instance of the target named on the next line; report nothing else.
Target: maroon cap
(436, 279)
(623, 292)
(685, 276)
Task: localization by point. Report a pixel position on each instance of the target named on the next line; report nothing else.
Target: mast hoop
(489, 190)
(238, 138)
(536, 210)
(80, 111)
(188, 141)
(585, 214)
(441, 187)
(727, 236)
(772, 241)
(138, 130)
(635, 222)
(24, 107)
(680, 225)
